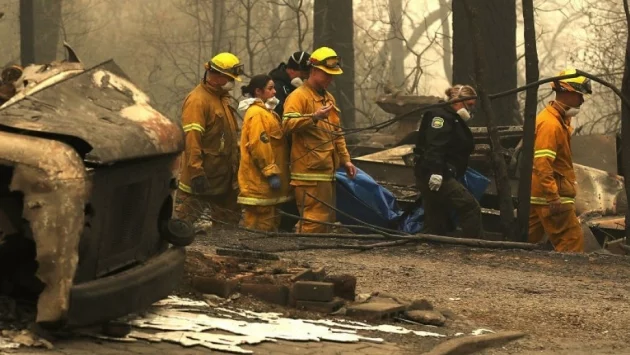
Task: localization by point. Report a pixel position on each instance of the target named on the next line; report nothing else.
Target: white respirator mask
(228, 86)
(297, 82)
(272, 103)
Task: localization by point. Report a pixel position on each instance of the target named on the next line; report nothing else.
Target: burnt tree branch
(498, 163)
(625, 121)
(529, 127)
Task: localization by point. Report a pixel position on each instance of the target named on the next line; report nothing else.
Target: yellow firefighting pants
(222, 207)
(309, 200)
(563, 228)
(263, 218)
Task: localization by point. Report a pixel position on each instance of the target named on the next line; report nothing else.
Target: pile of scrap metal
(601, 202)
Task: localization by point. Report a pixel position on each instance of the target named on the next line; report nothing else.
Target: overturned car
(87, 172)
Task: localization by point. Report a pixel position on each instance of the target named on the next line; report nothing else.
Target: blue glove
(274, 182)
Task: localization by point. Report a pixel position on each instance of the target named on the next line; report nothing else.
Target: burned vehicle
(87, 173)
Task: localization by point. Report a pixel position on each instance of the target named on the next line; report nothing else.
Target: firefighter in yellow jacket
(553, 178)
(318, 148)
(210, 161)
(263, 175)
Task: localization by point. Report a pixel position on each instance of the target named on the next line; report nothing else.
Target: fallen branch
(426, 238)
(368, 227)
(344, 246)
(269, 235)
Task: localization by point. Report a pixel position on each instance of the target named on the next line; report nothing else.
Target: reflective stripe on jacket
(317, 149)
(211, 146)
(553, 177)
(264, 152)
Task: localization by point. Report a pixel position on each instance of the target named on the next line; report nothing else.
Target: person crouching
(263, 176)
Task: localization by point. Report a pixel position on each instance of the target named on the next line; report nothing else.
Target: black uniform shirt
(444, 144)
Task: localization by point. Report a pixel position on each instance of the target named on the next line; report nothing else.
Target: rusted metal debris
(86, 105)
(62, 123)
(185, 322)
(55, 185)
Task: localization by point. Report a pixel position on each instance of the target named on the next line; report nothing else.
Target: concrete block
(215, 286)
(306, 275)
(345, 285)
(277, 294)
(323, 307)
(371, 311)
(313, 291)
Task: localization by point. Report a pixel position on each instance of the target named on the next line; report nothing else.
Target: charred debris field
(567, 304)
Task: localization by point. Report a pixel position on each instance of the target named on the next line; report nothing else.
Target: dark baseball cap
(299, 61)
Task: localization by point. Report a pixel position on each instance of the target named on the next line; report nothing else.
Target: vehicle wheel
(177, 232)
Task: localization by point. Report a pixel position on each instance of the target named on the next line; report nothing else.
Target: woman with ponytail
(263, 174)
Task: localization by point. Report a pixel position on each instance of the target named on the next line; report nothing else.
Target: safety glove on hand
(274, 182)
(435, 182)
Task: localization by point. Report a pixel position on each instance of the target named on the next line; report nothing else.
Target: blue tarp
(366, 200)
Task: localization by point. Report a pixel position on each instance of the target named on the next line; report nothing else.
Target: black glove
(200, 184)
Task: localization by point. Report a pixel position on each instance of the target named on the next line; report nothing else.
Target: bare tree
(625, 118)
(333, 27)
(497, 21)
(527, 153)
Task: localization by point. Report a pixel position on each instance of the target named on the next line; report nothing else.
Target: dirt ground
(567, 304)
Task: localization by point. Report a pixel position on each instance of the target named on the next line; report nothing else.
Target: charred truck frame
(87, 173)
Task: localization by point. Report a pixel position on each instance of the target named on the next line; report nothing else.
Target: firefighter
(209, 168)
(553, 179)
(318, 148)
(445, 143)
(263, 174)
(290, 76)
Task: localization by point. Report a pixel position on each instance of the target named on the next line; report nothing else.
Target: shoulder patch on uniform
(264, 137)
(437, 122)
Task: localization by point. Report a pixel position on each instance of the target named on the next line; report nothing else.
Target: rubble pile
(225, 276)
(264, 276)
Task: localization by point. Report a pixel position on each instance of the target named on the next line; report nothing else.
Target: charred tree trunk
(529, 127)
(498, 163)
(39, 30)
(334, 28)
(497, 26)
(625, 121)
(218, 25)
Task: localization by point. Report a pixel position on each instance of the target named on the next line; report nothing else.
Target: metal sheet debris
(206, 326)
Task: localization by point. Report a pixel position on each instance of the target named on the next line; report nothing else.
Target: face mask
(272, 103)
(572, 111)
(464, 114)
(297, 82)
(228, 86)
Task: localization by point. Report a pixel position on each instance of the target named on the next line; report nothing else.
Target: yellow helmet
(326, 59)
(578, 84)
(226, 63)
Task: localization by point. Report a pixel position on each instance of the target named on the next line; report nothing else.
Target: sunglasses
(331, 63)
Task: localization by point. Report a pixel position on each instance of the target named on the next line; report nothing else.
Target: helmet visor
(330, 63)
(236, 70)
(583, 88)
